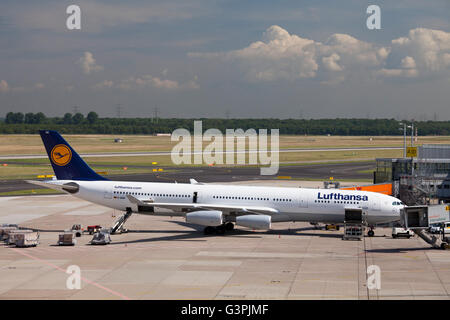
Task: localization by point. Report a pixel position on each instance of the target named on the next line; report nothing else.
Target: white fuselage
(292, 204)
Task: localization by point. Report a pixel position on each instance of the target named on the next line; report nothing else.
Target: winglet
(193, 181)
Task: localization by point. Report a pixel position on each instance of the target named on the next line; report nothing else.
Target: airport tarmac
(165, 258)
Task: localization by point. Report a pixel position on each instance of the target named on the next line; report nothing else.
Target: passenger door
(195, 197)
(303, 200)
(108, 192)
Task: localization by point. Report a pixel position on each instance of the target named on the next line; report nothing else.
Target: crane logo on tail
(61, 155)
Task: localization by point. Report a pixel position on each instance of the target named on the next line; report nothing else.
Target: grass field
(32, 144)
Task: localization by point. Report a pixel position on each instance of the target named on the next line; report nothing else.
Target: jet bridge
(421, 218)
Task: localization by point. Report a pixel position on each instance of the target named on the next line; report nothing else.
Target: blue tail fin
(66, 163)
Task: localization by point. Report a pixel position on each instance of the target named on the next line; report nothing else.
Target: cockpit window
(396, 203)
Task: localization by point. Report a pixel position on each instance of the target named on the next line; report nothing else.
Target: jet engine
(205, 218)
(254, 221)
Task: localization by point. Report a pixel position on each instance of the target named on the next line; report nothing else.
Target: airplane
(215, 207)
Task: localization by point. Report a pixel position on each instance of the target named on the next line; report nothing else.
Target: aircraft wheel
(371, 233)
(229, 226)
(220, 230)
(208, 230)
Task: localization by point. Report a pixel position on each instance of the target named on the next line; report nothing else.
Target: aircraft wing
(205, 206)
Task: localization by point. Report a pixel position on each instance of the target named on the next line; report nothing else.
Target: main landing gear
(220, 230)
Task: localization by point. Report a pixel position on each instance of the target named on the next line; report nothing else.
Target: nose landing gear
(371, 233)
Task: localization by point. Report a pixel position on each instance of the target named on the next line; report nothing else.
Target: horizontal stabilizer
(70, 187)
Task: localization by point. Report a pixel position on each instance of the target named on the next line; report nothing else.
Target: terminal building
(421, 180)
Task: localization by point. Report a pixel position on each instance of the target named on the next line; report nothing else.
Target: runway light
(154, 170)
(5, 164)
(160, 169)
(154, 162)
(124, 168)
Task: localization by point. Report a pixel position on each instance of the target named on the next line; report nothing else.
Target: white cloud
(88, 63)
(331, 62)
(284, 56)
(191, 84)
(353, 52)
(104, 84)
(425, 50)
(147, 81)
(4, 87)
(408, 63)
(281, 55)
(166, 84)
(407, 73)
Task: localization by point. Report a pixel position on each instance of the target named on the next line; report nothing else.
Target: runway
(347, 171)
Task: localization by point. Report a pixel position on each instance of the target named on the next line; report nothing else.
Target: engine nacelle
(205, 218)
(255, 221)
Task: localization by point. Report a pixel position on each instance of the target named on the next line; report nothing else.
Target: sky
(237, 59)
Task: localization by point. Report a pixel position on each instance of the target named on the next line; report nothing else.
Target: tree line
(30, 123)
(40, 118)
